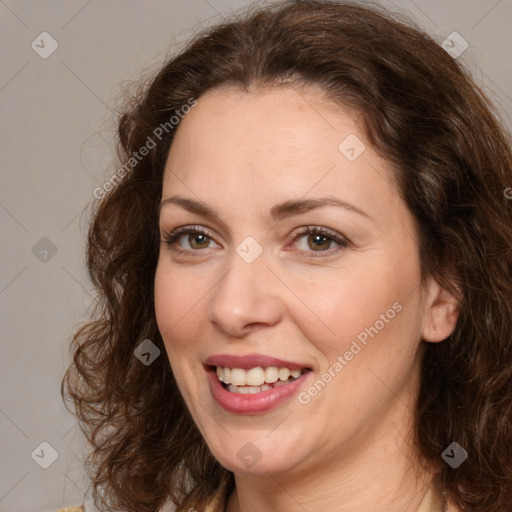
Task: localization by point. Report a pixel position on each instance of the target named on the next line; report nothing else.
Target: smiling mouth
(255, 380)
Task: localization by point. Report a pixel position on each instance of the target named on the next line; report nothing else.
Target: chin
(256, 457)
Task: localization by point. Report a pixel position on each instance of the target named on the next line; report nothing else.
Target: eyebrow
(277, 212)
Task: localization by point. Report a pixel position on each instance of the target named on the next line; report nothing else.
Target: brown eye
(319, 242)
(189, 239)
(198, 241)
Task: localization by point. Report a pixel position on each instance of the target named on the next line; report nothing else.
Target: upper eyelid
(227, 233)
(168, 232)
(338, 238)
(302, 230)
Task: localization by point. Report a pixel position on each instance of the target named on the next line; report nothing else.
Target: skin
(349, 448)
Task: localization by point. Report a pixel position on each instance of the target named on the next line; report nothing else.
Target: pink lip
(251, 361)
(252, 403)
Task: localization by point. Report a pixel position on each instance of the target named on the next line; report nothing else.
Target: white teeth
(284, 373)
(256, 377)
(245, 390)
(271, 374)
(237, 377)
(250, 390)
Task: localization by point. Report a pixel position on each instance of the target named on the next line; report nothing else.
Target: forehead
(275, 144)
(280, 120)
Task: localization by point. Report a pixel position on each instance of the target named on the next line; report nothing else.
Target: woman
(304, 277)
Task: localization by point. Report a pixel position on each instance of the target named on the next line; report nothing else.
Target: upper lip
(251, 361)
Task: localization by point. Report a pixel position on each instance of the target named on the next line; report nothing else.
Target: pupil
(319, 241)
(196, 239)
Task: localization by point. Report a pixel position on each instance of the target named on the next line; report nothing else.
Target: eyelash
(171, 237)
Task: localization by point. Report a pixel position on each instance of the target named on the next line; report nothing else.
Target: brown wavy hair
(452, 160)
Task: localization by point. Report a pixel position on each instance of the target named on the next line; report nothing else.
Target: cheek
(337, 310)
(177, 305)
(367, 337)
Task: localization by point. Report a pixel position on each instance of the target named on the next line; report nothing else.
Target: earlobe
(441, 315)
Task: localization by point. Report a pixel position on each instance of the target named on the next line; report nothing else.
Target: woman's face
(341, 305)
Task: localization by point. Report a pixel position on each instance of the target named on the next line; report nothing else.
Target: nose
(247, 297)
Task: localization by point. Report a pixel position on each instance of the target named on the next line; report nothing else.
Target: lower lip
(252, 403)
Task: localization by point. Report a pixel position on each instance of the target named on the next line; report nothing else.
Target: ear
(441, 313)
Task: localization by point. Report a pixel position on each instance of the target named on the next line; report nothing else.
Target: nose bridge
(247, 292)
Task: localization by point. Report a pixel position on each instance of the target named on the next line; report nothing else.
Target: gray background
(57, 127)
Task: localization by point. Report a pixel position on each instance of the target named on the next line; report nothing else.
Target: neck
(354, 494)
